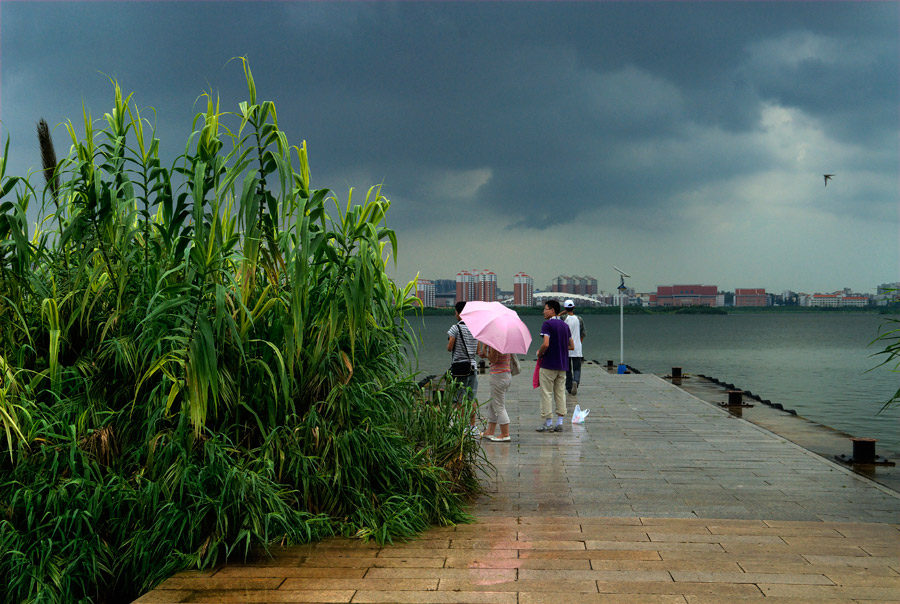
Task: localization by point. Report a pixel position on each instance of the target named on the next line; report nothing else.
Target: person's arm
(571, 343)
(492, 355)
(581, 324)
(451, 342)
(544, 347)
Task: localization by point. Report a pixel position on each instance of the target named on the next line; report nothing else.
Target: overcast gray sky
(683, 142)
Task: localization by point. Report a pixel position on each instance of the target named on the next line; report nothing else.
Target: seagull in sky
(827, 176)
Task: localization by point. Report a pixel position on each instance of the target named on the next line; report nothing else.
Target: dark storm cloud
(528, 105)
(558, 100)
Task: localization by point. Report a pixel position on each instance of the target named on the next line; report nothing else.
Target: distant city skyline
(482, 285)
(546, 285)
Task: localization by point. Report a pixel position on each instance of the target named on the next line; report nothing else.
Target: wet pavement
(649, 448)
(824, 440)
(657, 497)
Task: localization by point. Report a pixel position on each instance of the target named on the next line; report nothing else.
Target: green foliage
(201, 360)
(699, 310)
(889, 335)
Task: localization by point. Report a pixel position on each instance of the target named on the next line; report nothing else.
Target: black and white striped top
(459, 353)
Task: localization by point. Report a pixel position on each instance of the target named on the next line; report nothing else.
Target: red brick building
(465, 286)
(523, 290)
(584, 286)
(563, 284)
(750, 297)
(476, 285)
(685, 295)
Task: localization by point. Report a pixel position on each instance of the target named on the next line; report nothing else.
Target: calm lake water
(816, 364)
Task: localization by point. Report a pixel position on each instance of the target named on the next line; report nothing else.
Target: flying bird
(827, 176)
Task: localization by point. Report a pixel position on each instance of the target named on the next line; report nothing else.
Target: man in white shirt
(576, 327)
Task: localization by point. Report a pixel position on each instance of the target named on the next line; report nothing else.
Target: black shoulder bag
(462, 369)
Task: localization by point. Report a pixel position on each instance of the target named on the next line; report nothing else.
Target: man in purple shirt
(554, 356)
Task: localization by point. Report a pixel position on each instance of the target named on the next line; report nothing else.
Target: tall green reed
(200, 360)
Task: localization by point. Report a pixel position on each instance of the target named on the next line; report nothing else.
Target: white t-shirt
(575, 327)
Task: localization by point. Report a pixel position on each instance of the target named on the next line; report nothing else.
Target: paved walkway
(658, 498)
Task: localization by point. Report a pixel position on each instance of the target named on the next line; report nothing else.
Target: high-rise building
(888, 289)
(583, 286)
(465, 286)
(486, 288)
(476, 285)
(563, 284)
(559, 284)
(523, 290)
(425, 292)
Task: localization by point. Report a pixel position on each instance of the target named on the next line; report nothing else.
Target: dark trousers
(574, 372)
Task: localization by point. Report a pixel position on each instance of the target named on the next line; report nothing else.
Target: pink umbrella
(497, 326)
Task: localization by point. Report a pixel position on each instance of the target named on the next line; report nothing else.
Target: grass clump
(202, 360)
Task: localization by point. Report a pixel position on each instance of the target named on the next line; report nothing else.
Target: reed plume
(48, 157)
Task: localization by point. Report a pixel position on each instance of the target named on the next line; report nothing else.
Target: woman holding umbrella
(496, 407)
(503, 334)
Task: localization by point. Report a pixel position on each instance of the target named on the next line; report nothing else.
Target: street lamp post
(621, 288)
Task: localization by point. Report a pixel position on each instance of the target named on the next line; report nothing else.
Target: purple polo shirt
(556, 356)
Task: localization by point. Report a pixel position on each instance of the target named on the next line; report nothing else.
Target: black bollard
(735, 397)
(863, 450)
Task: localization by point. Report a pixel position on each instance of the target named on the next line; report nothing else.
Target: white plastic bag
(579, 414)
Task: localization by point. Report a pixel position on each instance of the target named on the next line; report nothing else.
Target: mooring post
(735, 397)
(863, 450)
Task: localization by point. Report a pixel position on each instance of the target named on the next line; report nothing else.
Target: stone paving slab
(658, 498)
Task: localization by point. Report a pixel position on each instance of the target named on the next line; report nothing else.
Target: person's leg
(490, 407)
(460, 390)
(546, 378)
(499, 404)
(575, 370)
(559, 395)
(472, 385)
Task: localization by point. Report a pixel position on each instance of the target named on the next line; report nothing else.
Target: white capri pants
(496, 408)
